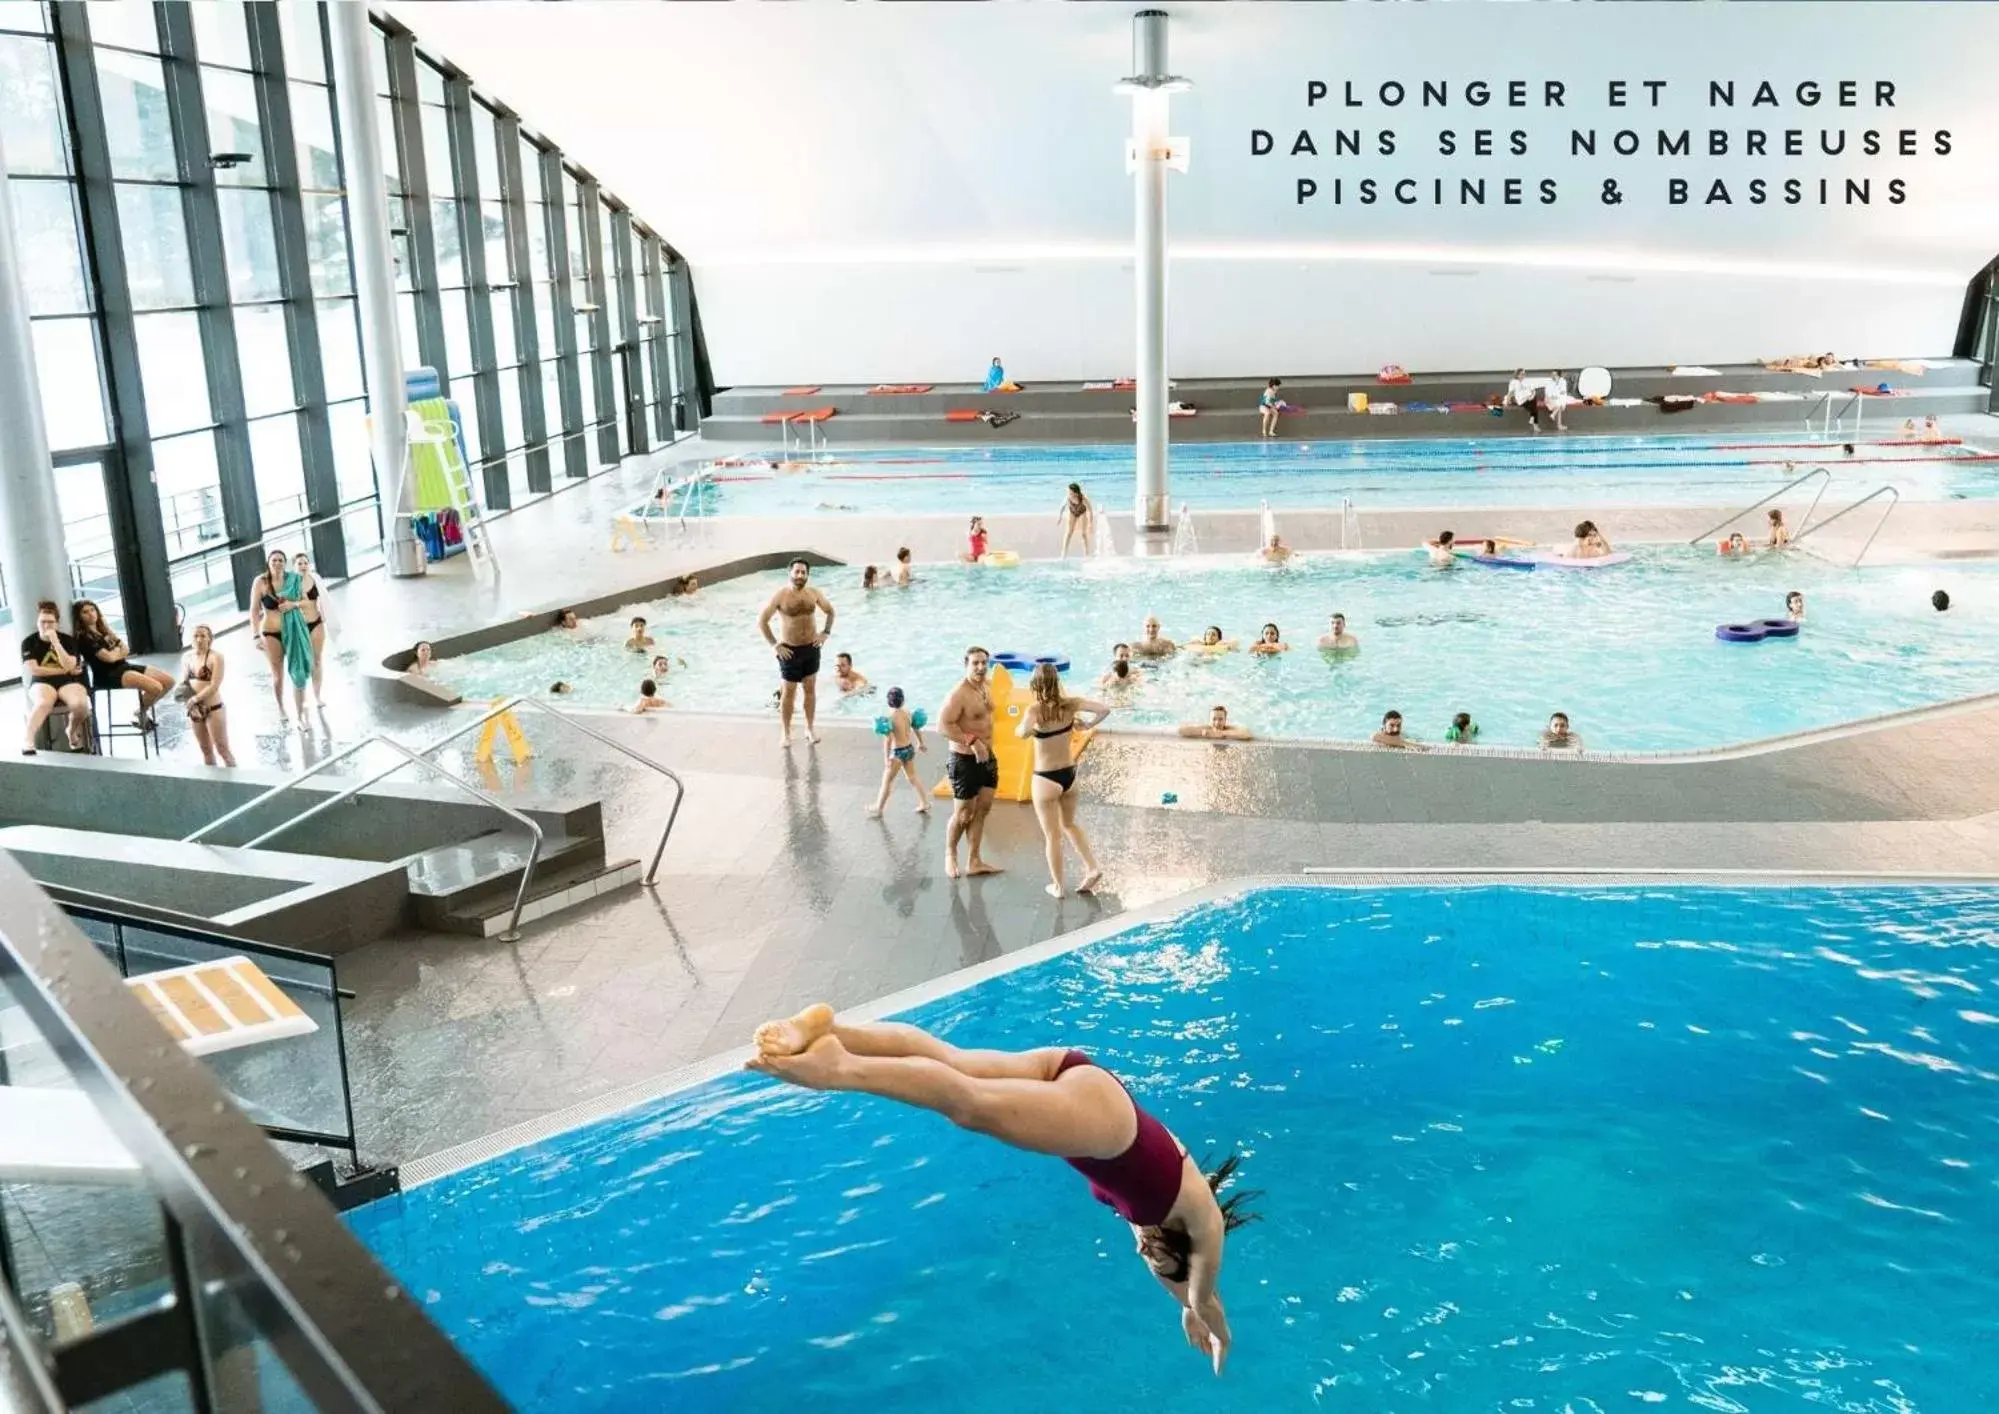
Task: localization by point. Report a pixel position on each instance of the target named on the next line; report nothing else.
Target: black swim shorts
(802, 664)
(969, 775)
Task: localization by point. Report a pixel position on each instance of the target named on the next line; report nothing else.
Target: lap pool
(1628, 652)
(1520, 1149)
(1376, 474)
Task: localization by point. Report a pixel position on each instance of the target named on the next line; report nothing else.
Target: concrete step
(470, 872)
(551, 892)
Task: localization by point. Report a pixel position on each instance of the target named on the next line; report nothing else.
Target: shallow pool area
(1629, 652)
(1375, 474)
(1519, 1148)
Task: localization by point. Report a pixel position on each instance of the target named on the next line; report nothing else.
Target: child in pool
(900, 743)
(649, 699)
(1213, 642)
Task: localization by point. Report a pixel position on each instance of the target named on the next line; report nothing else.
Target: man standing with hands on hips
(797, 644)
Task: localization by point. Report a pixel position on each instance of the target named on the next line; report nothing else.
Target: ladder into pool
(1894, 498)
(1349, 525)
(1185, 542)
(1803, 525)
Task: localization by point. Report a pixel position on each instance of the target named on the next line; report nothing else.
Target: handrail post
(679, 786)
(1787, 486)
(274, 792)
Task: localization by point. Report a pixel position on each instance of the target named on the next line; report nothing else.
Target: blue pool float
(1777, 628)
(1024, 663)
(1740, 633)
(1501, 562)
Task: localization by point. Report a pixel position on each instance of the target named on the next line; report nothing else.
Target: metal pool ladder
(1349, 525)
(1894, 498)
(1810, 511)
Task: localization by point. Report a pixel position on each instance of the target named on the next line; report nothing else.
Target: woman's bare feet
(817, 1067)
(1053, 890)
(976, 867)
(790, 1037)
(1090, 881)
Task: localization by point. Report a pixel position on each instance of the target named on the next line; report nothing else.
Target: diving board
(220, 1005)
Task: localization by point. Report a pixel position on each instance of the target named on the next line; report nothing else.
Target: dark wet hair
(1169, 1250)
(1847, 448)
(648, 688)
(1446, 537)
(638, 621)
(846, 658)
(903, 553)
(792, 566)
(895, 697)
(1121, 668)
(1272, 628)
(1391, 715)
(1940, 601)
(1461, 721)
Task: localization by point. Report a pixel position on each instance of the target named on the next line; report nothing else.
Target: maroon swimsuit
(1143, 1183)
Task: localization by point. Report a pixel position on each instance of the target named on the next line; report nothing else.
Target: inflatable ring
(1061, 664)
(1012, 662)
(1740, 633)
(1000, 559)
(1778, 628)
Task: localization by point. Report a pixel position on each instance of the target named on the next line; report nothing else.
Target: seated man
(1216, 728)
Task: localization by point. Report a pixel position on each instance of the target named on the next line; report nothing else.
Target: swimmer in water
(1591, 543)
(1794, 606)
(560, 689)
(1213, 642)
(1276, 552)
(1337, 639)
(566, 619)
(849, 679)
(1391, 735)
(1735, 545)
(640, 639)
(1152, 644)
(899, 747)
(1055, 1102)
(1940, 600)
(1558, 737)
(1443, 550)
(1269, 642)
(903, 572)
(1120, 673)
(1218, 727)
(1780, 533)
(424, 661)
(1462, 730)
(649, 699)
(871, 578)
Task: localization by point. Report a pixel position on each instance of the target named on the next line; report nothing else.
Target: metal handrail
(513, 932)
(1802, 525)
(1895, 500)
(278, 790)
(679, 786)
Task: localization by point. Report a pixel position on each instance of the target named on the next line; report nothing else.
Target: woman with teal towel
(297, 639)
(281, 630)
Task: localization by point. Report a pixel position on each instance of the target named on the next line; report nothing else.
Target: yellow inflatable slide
(1015, 757)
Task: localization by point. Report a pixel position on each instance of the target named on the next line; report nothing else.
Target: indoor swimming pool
(1376, 474)
(1519, 1148)
(1629, 652)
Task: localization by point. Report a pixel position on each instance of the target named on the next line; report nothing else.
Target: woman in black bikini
(201, 677)
(315, 621)
(1048, 722)
(267, 617)
(110, 662)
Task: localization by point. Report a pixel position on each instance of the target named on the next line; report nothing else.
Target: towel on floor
(803, 392)
(1880, 390)
(1778, 395)
(1104, 387)
(1900, 365)
(1723, 397)
(899, 388)
(1693, 370)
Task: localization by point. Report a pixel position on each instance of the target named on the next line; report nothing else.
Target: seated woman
(1780, 533)
(997, 381)
(975, 541)
(111, 664)
(1055, 1102)
(1270, 405)
(1213, 642)
(1270, 641)
(1218, 727)
(1591, 543)
(1558, 737)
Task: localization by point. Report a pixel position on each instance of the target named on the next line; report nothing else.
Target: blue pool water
(1507, 471)
(1520, 1150)
(1629, 652)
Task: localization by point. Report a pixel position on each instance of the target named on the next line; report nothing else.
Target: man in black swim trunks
(967, 721)
(797, 644)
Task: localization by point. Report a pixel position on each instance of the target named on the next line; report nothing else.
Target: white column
(374, 276)
(33, 558)
(1148, 135)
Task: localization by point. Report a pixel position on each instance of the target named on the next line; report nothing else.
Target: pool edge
(458, 1157)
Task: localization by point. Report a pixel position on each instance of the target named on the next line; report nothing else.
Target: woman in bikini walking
(201, 682)
(1049, 1101)
(268, 607)
(1048, 721)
